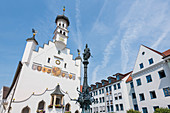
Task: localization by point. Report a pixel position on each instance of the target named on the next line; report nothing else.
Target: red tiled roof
(129, 79)
(167, 52)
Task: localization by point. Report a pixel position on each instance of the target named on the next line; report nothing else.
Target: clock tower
(61, 31)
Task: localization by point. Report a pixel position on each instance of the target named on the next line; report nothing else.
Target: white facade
(116, 95)
(41, 71)
(150, 92)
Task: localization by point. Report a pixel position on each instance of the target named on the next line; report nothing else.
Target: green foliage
(133, 111)
(162, 110)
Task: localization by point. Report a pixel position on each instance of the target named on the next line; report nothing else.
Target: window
(166, 91)
(141, 65)
(117, 107)
(59, 52)
(141, 97)
(110, 80)
(133, 96)
(118, 85)
(52, 100)
(64, 33)
(152, 94)
(96, 93)
(103, 99)
(96, 100)
(103, 108)
(106, 89)
(143, 53)
(65, 65)
(114, 87)
(136, 107)
(92, 88)
(168, 106)
(144, 109)
(102, 90)
(151, 61)
(60, 31)
(96, 85)
(116, 98)
(131, 85)
(108, 109)
(26, 110)
(99, 91)
(110, 88)
(59, 24)
(138, 82)
(102, 83)
(149, 78)
(111, 107)
(58, 101)
(67, 107)
(155, 107)
(117, 77)
(41, 105)
(121, 107)
(100, 100)
(63, 25)
(161, 74)
(120, 96)
(48, 60)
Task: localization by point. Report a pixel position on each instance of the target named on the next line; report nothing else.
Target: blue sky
(113, 29)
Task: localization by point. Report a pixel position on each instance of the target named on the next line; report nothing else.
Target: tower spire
(64, 10)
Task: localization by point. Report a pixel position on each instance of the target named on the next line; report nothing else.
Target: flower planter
(59, 106)
(50, 106)
(40, 111)
(67, 112)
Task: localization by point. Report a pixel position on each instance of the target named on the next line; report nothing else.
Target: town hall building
(46, 79)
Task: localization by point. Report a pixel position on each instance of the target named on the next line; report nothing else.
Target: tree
(162, 110)
(133, 111)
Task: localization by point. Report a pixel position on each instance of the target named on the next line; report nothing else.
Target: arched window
(64, 33)
(26, 110)
(41, 105)
(60, 31)
(58, 101)
(76, 111)
(59, 24)
(67, 107)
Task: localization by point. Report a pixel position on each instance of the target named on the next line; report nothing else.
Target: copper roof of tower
(57, 91)
(62, 17)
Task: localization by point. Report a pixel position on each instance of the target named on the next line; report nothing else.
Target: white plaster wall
(144, 58)
(157, 85)
(34, 81)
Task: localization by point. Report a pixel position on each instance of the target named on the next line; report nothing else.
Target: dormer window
(117, 77)
(102, 83)
(97, 86)
(91, 88)
(110, 81)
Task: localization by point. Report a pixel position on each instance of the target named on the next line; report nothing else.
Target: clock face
(61, 39)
